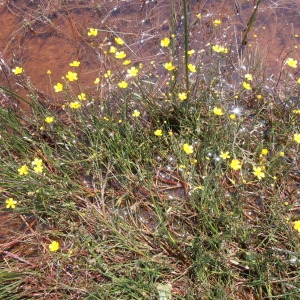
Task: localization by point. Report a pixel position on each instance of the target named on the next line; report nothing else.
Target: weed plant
(174, 184)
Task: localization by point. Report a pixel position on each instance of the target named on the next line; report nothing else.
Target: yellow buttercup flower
(191, 52)
(49, 119)
(82, 96)
(123, 84)
(247, 86)
(249, 77)
(165, 42)
(107, 74)
(297, 137)
(192, 68)
(217, 48)
(38, 169)
(72, 76)
(224, 155)
(54, 246)
(188, 149)
(37, 162)
(119, 41)
(17, 70)
(264, 151)
(182, 96)
(58, 87)
(112, 49)
(257, 171)
(297, 225)
(75, 63)
(23, 170)
(169, 66)
(93, 32)
(120, 54)
(218, 111)
(217, 22)
(158, 132)
(126, 62)
(75, 105)
(291, 62)
(132, 72)
(235, 164)
(136, 113)
(10, 203)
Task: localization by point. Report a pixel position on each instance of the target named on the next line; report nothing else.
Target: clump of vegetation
(169, 182)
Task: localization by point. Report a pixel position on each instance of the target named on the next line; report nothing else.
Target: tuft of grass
(137, 191)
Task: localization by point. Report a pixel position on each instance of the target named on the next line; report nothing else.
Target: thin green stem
(186, 45)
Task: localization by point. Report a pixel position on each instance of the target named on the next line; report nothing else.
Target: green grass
(132, 211)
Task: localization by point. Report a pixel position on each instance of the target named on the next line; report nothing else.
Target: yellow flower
(264, 151)
(49, 72)
(37, 162)
(232, 116)
(75, 105)
(224, 155)
(119, 41)
(120, 54)
(297, 225)
(97, 80)
(23, 170)
(281, 153)
(191, 52)
(298, 80)
(82, 96)
(297, 137)
(259, 96)
(291, 62)
(192, 68)
(217, 22)
(49, 119)
(235, 164)
(165, 42)
(169, 66)
(123, 84)
(218, 111)
(112, 49)
(54, 246)
(126, 62)
(58, 87)
(72, 76)
(188, 149)
(136, 113)
(247, 86)
(38, 169)
(107, 74)
(217, 48)
(10, 203)
(158, 132)
(198, 16)
(93, 32)
(75, 63)
(249, 77)
(17, 70)
(182, 96)
(257, 171)
(132, 72)
(296, 111)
